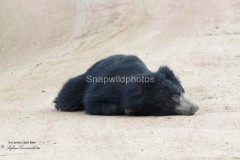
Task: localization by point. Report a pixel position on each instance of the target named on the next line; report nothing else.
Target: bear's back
(118, 65)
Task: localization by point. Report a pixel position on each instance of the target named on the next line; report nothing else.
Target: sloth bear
(122, 84)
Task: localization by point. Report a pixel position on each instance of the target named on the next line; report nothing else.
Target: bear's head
(162, 96)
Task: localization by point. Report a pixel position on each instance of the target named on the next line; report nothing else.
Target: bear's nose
(194, 109)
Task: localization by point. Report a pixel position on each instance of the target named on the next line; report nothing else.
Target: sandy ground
(43, 43)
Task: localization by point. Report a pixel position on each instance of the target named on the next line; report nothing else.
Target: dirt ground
(43, 43)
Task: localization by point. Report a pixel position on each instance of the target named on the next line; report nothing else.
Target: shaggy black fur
(132, 98)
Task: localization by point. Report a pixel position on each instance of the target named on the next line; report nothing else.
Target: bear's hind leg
(70, 98)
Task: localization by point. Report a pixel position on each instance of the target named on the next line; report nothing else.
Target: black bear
(122, 84)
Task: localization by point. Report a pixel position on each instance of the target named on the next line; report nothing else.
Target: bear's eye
(176, 98)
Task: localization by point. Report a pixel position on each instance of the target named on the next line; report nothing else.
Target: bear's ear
(168, 74)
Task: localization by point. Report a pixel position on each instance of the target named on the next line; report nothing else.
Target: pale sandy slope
(43, 43)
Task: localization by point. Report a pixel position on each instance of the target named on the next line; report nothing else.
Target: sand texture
(45, 42)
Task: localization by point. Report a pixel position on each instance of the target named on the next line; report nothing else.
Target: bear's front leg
(103, 108)
(130, 113)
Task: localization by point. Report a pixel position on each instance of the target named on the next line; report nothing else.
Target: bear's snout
(186, 107)
(194, 109)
